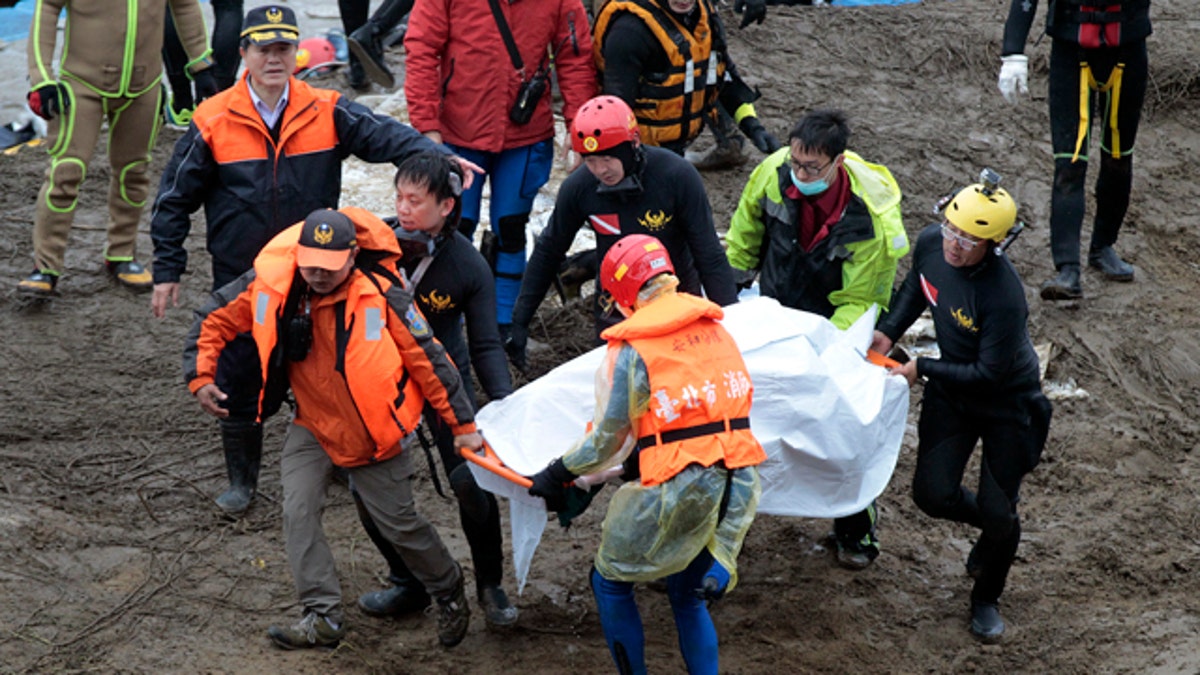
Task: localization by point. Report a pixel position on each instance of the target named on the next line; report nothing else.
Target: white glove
(1014, 76)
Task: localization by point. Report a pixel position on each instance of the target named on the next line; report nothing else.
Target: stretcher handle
(881, 360)
(491, 462)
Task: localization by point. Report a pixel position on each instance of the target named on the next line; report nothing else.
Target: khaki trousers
(387, 494)
(132, 128)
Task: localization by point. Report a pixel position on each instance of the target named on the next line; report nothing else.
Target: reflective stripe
(260, 308)
(689, 77)
(712, 69)
(374, 327)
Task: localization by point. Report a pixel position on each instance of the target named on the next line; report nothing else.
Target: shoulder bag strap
(505, 33)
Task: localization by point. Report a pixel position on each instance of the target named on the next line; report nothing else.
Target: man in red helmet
(611, 198)
(675, 380)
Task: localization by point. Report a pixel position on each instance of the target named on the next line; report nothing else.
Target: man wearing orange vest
(676, 383)
(668, 60)
(331, 319)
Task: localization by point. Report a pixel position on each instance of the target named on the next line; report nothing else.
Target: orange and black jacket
(700, 391)
(253, 181)
(373, 363)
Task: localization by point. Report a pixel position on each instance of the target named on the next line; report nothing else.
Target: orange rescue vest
(700, 390)
(388, 400)
(670, 106)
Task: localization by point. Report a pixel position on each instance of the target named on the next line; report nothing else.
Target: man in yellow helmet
(984, 385)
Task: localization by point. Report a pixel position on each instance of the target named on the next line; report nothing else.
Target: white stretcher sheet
(831, 422)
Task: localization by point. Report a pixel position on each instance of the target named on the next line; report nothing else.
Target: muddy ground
(114, 559)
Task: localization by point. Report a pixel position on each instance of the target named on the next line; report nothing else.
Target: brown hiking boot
(453, 615)
(314, 630)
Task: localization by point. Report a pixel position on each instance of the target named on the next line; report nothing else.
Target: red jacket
(461, 82)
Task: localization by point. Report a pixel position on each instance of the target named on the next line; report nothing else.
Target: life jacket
(1099, 23)
(671, 106)
(387, 399)
(700, 390)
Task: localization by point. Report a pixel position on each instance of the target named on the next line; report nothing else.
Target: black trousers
(1013, 431)
(1067, 198)
(477, 510)
(226, 32)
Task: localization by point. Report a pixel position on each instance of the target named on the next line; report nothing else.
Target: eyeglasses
(811, 169)
(964, 242)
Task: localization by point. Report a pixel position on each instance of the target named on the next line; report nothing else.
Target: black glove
(744, 279)
(752, 11)
(49, 100)
(551, 484)
(515, 345)
(758, 134)
(205, 84)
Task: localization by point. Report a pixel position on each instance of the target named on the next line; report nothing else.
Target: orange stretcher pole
(881, 360)
(491, 462)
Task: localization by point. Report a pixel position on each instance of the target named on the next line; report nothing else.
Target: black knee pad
(472, 499)
(512, 232)
(1068, 175)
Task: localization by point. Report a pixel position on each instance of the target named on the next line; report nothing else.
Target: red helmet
(313, 52)
(601, 123)
(630, 263)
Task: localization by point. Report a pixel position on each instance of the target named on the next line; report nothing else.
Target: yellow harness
(1087, 82)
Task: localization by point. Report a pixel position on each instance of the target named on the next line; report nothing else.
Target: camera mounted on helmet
(983, 210)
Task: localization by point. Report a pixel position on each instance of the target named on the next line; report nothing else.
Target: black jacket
(458, 284)
(667, 201)
(979, 314)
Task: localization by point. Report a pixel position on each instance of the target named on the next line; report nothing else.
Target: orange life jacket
(672, 108)
(387, 399)
(700, 391)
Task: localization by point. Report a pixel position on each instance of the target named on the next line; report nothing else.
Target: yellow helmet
(983, 212)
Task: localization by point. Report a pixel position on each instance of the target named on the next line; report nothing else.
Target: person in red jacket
(331, 318)
(464, 83)
(675, 381)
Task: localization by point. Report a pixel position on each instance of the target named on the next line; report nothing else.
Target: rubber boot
(1064, 285)
(367, 45)
(727, 153)
(242, 441)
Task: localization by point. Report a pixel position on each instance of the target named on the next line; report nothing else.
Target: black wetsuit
(458, 285)
(665, 199)
(985, 385)
(1103, 40)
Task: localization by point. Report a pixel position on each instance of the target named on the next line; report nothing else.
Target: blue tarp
(867, 3)
(14, 21)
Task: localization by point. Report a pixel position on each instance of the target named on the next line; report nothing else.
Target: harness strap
(676, 435)
(1087, 82)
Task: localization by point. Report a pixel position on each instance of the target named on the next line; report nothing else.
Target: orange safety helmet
(630, 263)
(602, 123)
(313, 52)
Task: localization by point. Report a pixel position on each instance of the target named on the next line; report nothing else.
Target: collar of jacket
(300, 103)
